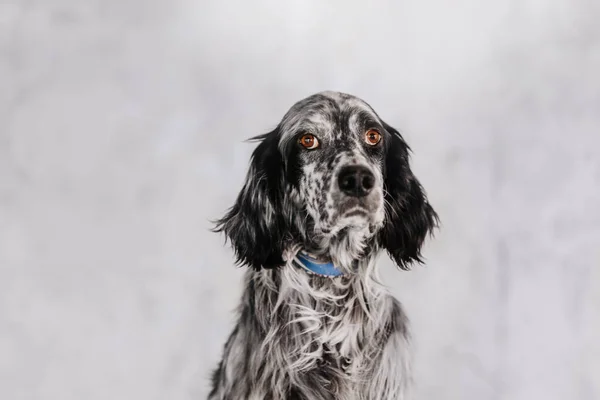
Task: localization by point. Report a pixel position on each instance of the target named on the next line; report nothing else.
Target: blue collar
(317, 267)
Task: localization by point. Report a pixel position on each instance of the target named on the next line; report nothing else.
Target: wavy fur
(301, 336)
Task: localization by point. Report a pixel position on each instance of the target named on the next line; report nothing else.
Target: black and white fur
(303, 336)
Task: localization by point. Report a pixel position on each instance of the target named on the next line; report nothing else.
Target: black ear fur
(255, 224)
(409, 216)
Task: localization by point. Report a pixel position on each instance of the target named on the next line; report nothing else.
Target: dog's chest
(338, 328)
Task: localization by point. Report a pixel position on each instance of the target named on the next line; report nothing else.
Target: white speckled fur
(302, 336)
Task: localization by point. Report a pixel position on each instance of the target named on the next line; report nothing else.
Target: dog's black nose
(356, 181)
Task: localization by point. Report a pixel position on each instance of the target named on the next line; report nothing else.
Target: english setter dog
(326, 191)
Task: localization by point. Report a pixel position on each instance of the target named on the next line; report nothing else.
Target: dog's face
(333, 149)
(334, 179)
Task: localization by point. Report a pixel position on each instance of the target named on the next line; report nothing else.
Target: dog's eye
(372, 137)
(309, 141)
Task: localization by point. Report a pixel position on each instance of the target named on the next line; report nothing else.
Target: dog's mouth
(355, 206)
(356, 215)
(358, 212)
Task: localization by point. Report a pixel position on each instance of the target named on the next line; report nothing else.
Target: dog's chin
(359, 216)
(346, 242)
(356, 217)
(360, 211)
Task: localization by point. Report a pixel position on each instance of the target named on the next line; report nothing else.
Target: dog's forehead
(324, 111)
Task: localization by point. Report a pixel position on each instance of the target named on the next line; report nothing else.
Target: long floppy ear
(255, 224)
(409, 217)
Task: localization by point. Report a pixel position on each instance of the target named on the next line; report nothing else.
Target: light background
(121, 135)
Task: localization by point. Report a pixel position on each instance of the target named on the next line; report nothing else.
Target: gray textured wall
(121, 129)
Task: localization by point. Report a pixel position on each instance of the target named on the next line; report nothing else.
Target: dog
(326, 191)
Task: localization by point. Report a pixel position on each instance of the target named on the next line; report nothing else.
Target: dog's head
(334, 179)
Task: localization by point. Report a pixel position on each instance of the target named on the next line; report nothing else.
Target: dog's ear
(255, 224)
(409, 216)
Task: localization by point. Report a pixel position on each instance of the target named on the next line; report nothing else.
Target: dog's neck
(317, 265)
(332, 314)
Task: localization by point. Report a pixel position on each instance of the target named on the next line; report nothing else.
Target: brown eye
(309, 141)
(372, 137)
